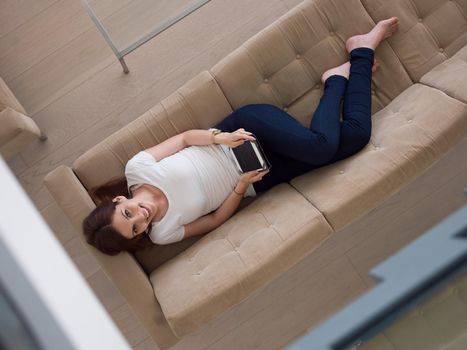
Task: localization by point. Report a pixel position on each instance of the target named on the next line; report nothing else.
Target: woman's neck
(155, 196)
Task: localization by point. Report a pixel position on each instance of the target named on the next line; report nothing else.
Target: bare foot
(383, 30)
(376, 65)
(344, 70)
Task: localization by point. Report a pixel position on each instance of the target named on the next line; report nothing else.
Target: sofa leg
(43, 137)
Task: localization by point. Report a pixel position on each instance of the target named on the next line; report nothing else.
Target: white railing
(411, 275)
(41, 282)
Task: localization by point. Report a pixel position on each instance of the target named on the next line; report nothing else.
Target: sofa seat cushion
(412, 132)
(430, 31)
(245, 253)
(450, 76)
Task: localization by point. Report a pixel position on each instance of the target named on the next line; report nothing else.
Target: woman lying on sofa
(187, 185)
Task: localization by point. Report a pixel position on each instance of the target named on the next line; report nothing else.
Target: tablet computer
(250, 156)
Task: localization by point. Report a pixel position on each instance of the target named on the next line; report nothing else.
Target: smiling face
(132, 216)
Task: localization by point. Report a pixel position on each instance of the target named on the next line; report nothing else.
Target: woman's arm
(178, 142)
(231, 203)
(228, 207)
(213, 220)
(197, 137)
(205, 137)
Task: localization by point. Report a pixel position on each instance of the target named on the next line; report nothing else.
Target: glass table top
(127, 24)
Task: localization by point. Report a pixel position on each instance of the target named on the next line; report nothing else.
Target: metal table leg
(124, 66)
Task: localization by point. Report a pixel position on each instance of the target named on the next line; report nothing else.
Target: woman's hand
(250, 177)
(233, 139)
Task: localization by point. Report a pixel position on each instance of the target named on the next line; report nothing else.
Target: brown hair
(97, 226)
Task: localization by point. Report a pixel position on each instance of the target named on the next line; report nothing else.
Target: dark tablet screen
(246, 157)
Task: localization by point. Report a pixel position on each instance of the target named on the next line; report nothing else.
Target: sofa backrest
(283, 63)
(430, 31)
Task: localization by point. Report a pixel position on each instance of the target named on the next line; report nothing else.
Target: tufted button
(332, 33)
(409, 121)
(377, 147)
(266, 80)
(317, 86)
(285, 109)
(441, 49)
(420, 19)
(341, 171)
(198, 273)
(298, 56)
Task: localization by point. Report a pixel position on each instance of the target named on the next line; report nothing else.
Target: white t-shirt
(195, 180)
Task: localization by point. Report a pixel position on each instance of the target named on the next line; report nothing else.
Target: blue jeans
(291, 148)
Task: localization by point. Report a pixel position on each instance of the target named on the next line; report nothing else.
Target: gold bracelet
(214, 132)
(240, 194)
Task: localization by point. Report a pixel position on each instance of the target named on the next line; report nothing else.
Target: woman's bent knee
(360, 139)
(364, 137)
(257, 108)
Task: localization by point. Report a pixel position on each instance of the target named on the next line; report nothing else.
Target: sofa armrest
(7, 99)
(16, 131)
(122, 269)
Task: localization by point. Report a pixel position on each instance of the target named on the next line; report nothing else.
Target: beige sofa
(420, 112)
(16, 128)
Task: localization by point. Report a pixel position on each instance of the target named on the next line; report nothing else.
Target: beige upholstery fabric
(16, 131)
(7, 99)
(247, 252)
(430, 30)
(283, 64)
(450, 76)
(438, 323)
(60, 182)
(414, 130)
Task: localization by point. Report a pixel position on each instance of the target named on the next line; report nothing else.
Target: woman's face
(132, 216)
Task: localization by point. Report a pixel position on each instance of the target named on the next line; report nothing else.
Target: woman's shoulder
(141, 157)
(139, 161)
(139, 169)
